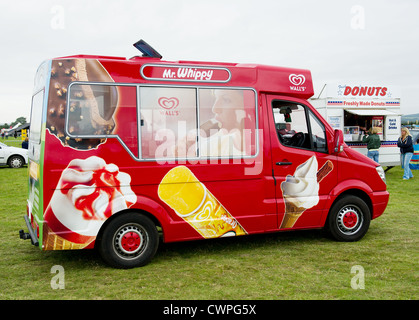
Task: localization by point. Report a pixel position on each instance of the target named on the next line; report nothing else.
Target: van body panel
(204, 149)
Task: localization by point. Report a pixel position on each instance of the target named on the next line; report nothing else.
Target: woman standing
(373, 144)
(405, 144)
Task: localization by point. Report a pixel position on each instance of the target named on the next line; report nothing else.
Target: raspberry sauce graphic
(89, 192)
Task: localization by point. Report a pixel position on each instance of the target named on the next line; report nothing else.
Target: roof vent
(147, 50)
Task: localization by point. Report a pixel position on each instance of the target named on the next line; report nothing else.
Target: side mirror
(338, 141)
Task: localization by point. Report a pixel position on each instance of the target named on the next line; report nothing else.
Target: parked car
(415, 135)
(12, 156)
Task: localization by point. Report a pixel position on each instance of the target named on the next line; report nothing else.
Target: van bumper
(379, 203)
(29, 235)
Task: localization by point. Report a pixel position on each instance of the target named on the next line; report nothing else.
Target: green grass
(13, 142)
(292, 265)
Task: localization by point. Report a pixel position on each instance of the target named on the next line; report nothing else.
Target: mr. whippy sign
(185, 73)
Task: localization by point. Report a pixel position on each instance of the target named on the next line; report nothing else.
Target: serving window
(355, 126)
(162, 122)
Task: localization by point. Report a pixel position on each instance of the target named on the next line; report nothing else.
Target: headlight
(381, 173)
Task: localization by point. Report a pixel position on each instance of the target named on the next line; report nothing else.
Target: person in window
(287, 131)
(226, 137)
(373, 143)
(227, 131)
(405, 144)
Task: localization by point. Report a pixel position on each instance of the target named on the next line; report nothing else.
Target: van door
(303, 168)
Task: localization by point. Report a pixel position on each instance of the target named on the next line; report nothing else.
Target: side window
(318, 134)
(168, 122)
(91, 110)
(298, 127)
(100, 111)
(227, 125)
(36, 117)
(291, 124)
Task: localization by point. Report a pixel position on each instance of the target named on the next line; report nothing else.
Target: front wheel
(128, 241)
(16, 162)
(349, 219)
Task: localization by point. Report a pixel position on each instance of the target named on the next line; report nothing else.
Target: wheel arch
(147, 207)
(357, 193)
(126, 211)
(16, 155)
(344, 189)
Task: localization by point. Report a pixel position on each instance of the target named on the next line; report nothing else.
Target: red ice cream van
(124, 153)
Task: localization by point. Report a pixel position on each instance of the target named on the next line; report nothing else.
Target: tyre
(128, 241)
(16, 162)
(349, 219)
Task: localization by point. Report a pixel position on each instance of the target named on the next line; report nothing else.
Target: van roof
(264, 78)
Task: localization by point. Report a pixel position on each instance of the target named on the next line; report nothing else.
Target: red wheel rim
(350, 219)
(131, 241)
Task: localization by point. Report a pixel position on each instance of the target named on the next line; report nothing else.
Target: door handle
(284, 163)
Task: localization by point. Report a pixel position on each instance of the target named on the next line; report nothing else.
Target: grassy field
(292, 265)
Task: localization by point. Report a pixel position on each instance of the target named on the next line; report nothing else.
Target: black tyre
(128, 241)
(16, 162)
(349, 219)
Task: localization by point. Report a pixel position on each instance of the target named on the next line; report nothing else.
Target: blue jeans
(405, 159)
(373, 155)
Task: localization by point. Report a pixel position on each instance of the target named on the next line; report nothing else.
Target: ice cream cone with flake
(301, 191)
(194, 203)
(292, 213)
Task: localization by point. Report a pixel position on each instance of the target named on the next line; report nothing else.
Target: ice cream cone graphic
(88, 192)
(292, 213)
(194, 203)
(55, 242)
(301, 191)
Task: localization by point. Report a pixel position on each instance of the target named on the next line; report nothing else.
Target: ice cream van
(356, 108)
(126, 153)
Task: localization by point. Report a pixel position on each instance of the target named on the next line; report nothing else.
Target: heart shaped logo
(168, 103)
(297, 79)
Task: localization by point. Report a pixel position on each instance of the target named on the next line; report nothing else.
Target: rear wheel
(128, 241)
(349, 219)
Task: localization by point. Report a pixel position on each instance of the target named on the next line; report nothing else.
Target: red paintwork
(254, 200)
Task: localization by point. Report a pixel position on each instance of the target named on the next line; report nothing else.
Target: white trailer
(354, 109)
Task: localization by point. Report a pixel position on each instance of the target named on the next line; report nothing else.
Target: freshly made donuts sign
(185, 73)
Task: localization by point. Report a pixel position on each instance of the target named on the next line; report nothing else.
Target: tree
(22, 120)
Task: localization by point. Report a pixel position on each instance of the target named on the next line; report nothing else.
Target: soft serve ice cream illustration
(301, 191)
(88, 192)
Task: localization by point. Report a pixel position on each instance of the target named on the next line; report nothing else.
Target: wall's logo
(297, 79)
(168, 103)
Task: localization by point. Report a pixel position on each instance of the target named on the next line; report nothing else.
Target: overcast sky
(372, 42)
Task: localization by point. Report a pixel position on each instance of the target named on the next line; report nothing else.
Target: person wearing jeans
(373, 144)
(405, 143)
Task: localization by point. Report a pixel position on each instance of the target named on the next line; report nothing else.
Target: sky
(371, 42)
